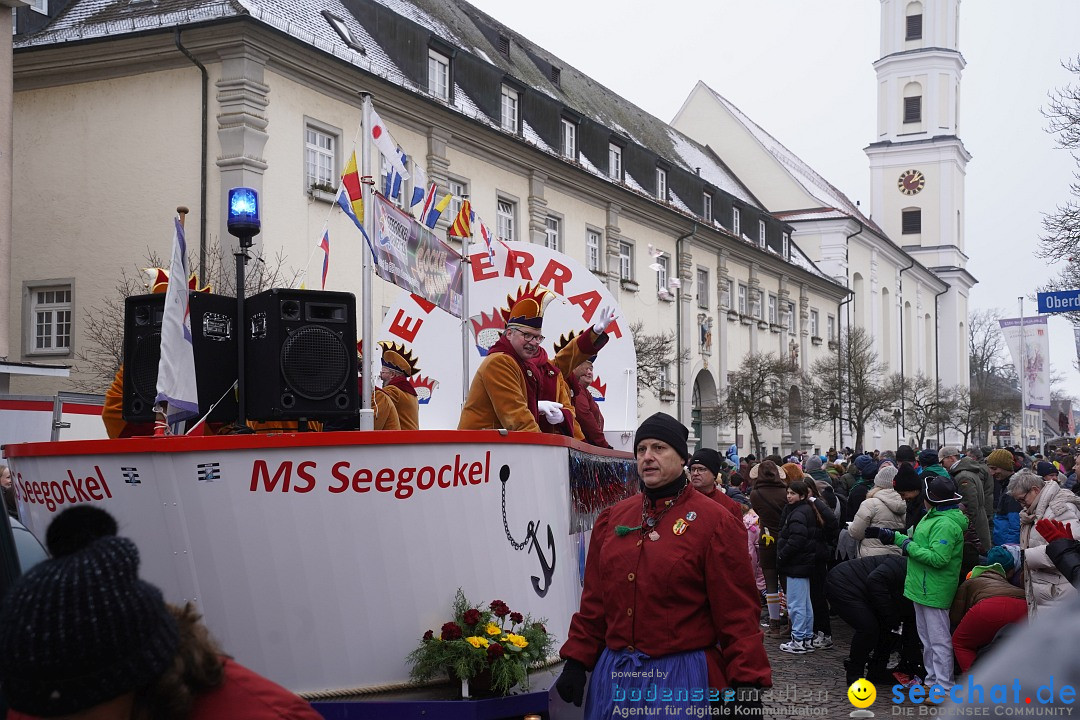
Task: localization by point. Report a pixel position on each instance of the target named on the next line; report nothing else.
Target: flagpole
(367, 416)
(1023, 380)
(466, 376)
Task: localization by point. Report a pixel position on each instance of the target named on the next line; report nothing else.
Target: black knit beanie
(906, 478)
(663, 427)
(709, 458)
(82, 628)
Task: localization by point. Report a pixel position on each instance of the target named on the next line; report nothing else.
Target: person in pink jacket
(82, 637)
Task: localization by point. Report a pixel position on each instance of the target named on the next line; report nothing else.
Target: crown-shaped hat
(396, 357)
(159, 281)
(527, 309)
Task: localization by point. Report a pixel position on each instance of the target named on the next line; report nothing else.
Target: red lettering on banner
(476, 472)
(302, 473)
(459, 471)
(420, 478)
(385, 475)
(400, 326)
(363, 475)
(555, 277)
(589, 302)
(104, 484)
(80, 494)
(426, 305)
(518, 261)
(442, 470)
(614, 328)
(260, 471)
(340, 476)
(487, 466)
(482, 268)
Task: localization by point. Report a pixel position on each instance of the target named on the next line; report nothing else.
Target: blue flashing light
(244, 212)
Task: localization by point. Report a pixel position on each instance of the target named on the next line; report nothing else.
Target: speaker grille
(144, 367)
(315, 362)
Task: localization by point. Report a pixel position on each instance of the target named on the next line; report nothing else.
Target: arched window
(913, 15)
(913, 93)
(858, 287)
(886, 326)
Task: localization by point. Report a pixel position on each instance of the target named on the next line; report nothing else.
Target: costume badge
(654, 536)
(680, 527)
(691, 516)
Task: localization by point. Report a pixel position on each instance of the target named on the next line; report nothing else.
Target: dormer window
(569, 139)
(511, 115)
(439, 75)
(661, 184)
(335, 22)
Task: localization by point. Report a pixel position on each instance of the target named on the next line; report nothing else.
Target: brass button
(629, 648)
(629, 611)
(631, 577)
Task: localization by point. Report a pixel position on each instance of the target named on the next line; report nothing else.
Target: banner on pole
(410, 256)
(1036, 357)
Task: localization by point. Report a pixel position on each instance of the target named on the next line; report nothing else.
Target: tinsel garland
(597, 482)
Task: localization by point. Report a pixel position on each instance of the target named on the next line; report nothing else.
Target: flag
(433, 215)
(429, 202)
(350, 195)
(177, 393)
(461, 226)
(325, 245)
(420, 185)
(486, 235)
(383, 141)
(392, 183)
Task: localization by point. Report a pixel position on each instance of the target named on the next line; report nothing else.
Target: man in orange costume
(574, 356)
(507, 391)
(398, 365)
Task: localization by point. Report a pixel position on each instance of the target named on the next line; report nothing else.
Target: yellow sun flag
(492, 629)
(476, 641)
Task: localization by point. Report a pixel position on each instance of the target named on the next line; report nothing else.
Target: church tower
(918, 162)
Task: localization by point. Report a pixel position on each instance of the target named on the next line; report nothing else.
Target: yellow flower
(477, 641)
(518, 640)
(492, 629)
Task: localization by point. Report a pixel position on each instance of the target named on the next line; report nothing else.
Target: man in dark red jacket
(704, 467)
(668, 593)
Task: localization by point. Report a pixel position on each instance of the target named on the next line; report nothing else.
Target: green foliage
(478, 640)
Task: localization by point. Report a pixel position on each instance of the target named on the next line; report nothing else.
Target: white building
(109, 119)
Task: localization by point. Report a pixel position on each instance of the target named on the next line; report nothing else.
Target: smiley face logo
(862, 693)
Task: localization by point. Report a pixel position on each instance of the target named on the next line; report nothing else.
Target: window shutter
(911, 222)
(913, 109)
(914, 27)
(504, 45)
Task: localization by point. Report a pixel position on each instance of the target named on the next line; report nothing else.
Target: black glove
(872, 532)
(747, 702)
(571, 684)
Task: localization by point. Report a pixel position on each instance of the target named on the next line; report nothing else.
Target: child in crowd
(800, 548)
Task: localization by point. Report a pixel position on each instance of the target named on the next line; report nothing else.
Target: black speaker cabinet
(300, 355)
(213, 335)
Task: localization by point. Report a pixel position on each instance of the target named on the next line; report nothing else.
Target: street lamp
(834, 413)
(243, 222)
(896, 416)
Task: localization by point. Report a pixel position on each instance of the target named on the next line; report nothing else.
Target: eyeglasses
(531, 337)
(698, 470)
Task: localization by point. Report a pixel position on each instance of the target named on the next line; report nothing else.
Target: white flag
(383, 141)
(177, 393)
(1036, 356)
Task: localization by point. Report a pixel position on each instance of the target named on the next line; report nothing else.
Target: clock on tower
(911, 182)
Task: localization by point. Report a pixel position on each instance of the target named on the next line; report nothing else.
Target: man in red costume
(574, 356)
(515, 387)
(704, 468)
(669, 604)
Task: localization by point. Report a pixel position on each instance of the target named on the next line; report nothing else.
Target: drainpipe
(202, 169)
(937, 360)
(903, 378)
(839, 346)
(678, 321)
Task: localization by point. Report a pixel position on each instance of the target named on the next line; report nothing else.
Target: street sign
(1060, 301)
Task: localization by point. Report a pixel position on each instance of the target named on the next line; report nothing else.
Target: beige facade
(107, 137)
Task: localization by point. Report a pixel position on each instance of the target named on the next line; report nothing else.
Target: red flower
(428, 636)
(499, 608)
(472, 616)
(451, 631)
(516, 617)
(495, 650)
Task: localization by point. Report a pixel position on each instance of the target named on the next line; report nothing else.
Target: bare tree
(758, 389)
(857, 380)
(102, 350)
(994, 385)
(656, 352)
(1061, 228)
(927, 406)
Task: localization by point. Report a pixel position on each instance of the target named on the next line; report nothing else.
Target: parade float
(321, 559)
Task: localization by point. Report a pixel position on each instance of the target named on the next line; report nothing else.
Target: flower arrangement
(496, 641)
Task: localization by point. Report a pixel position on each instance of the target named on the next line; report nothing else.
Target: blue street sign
(1061, 301)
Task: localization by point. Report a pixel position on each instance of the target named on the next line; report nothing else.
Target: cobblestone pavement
(811, 685)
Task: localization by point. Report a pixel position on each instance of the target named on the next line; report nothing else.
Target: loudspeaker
(300, 355)
(213, 336)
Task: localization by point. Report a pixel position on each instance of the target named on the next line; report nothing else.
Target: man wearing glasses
(507, 391)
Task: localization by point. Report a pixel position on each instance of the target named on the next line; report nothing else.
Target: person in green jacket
(933, 571)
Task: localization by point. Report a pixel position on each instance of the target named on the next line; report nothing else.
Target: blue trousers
(800, 608)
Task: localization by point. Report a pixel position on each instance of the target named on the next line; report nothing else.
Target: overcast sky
(803, 71)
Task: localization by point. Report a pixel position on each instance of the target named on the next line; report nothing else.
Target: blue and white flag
(177, 393)
(392, 178)
(420, 185)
